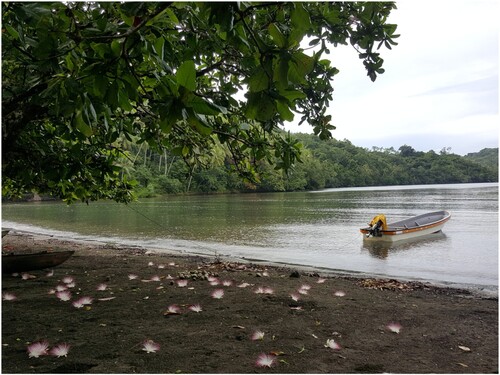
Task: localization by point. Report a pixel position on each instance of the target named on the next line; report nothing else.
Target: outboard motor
(377, 225)
(376, 229)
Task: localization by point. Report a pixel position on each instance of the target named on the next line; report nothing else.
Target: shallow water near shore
(318, 229)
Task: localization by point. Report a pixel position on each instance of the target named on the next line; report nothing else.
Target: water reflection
(381, 250)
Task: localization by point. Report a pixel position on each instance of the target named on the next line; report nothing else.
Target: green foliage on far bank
(325, 164)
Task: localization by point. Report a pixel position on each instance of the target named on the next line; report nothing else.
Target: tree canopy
(81, 78)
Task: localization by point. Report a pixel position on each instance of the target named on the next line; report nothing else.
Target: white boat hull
(414, 227)
(400, 235)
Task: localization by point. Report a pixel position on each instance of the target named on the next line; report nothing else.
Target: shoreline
(437, 322)
(487, 291)
(307, 322)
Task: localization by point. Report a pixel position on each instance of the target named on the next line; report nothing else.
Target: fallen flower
(330, 343)
(67, 280)
(257, 335)
(218, 293)
(339, 293)
(37, 349)
(150, 264)
(172, 310)
(265, 360)
(227, 283)
(132, 276)
(102, 287)
(295, 296)
(50, 273)
(7, 296)
(243, 285)
(320, 280)
(195, 308)
(182, 283)
(60, 288)
(27, 276)
(149, 346)
(60, 350)
(394, 327)
(79, 303)
(64, 295)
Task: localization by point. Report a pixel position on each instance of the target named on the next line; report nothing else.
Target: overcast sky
(440, 88)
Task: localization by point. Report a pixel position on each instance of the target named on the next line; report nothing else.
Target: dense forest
(325, 164)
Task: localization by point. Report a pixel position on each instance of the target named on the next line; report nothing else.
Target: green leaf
(292, 95)
(12, 31)
(277, 35)
(81, 125)
(186, 75)
(285, 113)
(260, 106)
(305, 64)
(116, 47)
(258, 81)
(204, 107)
(124, 101)
(100, 85)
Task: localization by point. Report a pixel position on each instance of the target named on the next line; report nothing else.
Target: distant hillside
(487, 157)
(325, 164)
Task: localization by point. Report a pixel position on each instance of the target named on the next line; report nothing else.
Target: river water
(318, 229)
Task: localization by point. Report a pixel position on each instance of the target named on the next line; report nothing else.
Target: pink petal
(149, 346)
(67, 279)
(195, 308)
(295, 296)
(172, 310)
(102, 287)
(330, 343)
(7, 296)
(182, 283)
(37, 349)
(257, 335)
(61, 288)
(265, 360)
(64, 295)
(394, 327)
(218, 293)
(227, 283)
(61, 350)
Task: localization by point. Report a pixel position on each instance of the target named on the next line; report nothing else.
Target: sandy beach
(124, 310)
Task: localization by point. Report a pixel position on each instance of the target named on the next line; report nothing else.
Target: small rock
(295, 274)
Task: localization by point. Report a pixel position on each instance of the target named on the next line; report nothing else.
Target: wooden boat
(421, 225)
(35, 261)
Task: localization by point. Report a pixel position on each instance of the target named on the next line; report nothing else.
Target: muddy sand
(266, 319)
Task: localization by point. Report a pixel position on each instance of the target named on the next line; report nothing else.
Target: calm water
(319, 229)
